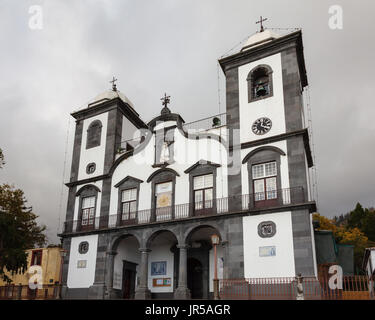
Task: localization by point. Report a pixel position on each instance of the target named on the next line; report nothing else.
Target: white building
(141, 212)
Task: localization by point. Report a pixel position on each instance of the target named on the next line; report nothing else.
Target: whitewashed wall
(95, 154)
(82, 277)
(161, 252)
(281, 265)
(187, 152)
(272, 108)
(128, 130)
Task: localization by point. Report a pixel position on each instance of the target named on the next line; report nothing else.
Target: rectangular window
(36, 258)
(203, 191)
(88, 211)
(264, 181)
(129, 204)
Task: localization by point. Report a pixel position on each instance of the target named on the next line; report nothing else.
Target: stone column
(182, 291)
(109, 277)
(142, 291)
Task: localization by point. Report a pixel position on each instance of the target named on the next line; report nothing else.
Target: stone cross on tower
(113, 84)
(261, 23)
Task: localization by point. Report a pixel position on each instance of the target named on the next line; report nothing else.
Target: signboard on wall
(269, 251)
(161, 282)
(159, 268)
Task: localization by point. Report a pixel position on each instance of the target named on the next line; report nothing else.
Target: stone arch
(262, 71)
(116, 239)
(150, 235)
(163, 170)
(92, 187)
(189, 231)
(264, 148)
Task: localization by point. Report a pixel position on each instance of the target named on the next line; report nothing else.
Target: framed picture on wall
(159, 268)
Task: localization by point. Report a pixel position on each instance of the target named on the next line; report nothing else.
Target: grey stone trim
(262, 156)
(198, 169)
(128, 179)
(296, 164)
(250, 83)
(71, 203)
(160, 171)
(265, 148)
(263, 224)
(99, 289)
(88, 180)
(89, 166)
(233, 125)
(165, 117)
(284, 136)
(94, 134)
(200, 163)
(106, 197)
(302, 242)
(292, 91)
(87, 190)
(309, 206)
(161, 176)
(107, 106)
(126, 184)
(76, 151)
(83, 247)
(270, 48)
(114, 128)
(75, 293)
(66, 245)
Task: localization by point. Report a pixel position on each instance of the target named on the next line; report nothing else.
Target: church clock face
(261, 126)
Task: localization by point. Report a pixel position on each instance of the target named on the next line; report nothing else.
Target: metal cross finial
(165, 100)
(261, 23)
(113, 84)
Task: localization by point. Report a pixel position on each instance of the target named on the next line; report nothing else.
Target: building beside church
(145, 198)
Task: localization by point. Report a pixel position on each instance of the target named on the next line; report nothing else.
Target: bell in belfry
(261, 90)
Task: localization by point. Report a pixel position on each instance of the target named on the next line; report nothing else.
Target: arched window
(87, 207)
(259, 83)
(94, 133)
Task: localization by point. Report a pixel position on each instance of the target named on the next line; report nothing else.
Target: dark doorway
(128, 279)
(195, 278)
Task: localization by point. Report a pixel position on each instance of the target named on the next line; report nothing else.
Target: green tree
(18, 231)
(356, 217)
(368, 224)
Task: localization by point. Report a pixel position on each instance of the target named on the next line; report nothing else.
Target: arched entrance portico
(125, 267)
(200, 261)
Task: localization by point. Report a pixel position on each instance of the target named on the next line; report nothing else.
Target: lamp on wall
(215, 241)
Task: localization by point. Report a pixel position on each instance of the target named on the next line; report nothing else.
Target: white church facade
(145, 198)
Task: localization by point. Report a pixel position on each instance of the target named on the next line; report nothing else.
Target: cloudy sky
(172, 46)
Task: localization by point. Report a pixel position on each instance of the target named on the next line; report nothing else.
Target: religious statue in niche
(164, 147)
(164, 155)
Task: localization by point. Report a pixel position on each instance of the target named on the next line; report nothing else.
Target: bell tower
(267, 132)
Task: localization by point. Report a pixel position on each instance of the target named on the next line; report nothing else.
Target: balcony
(237, 204)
